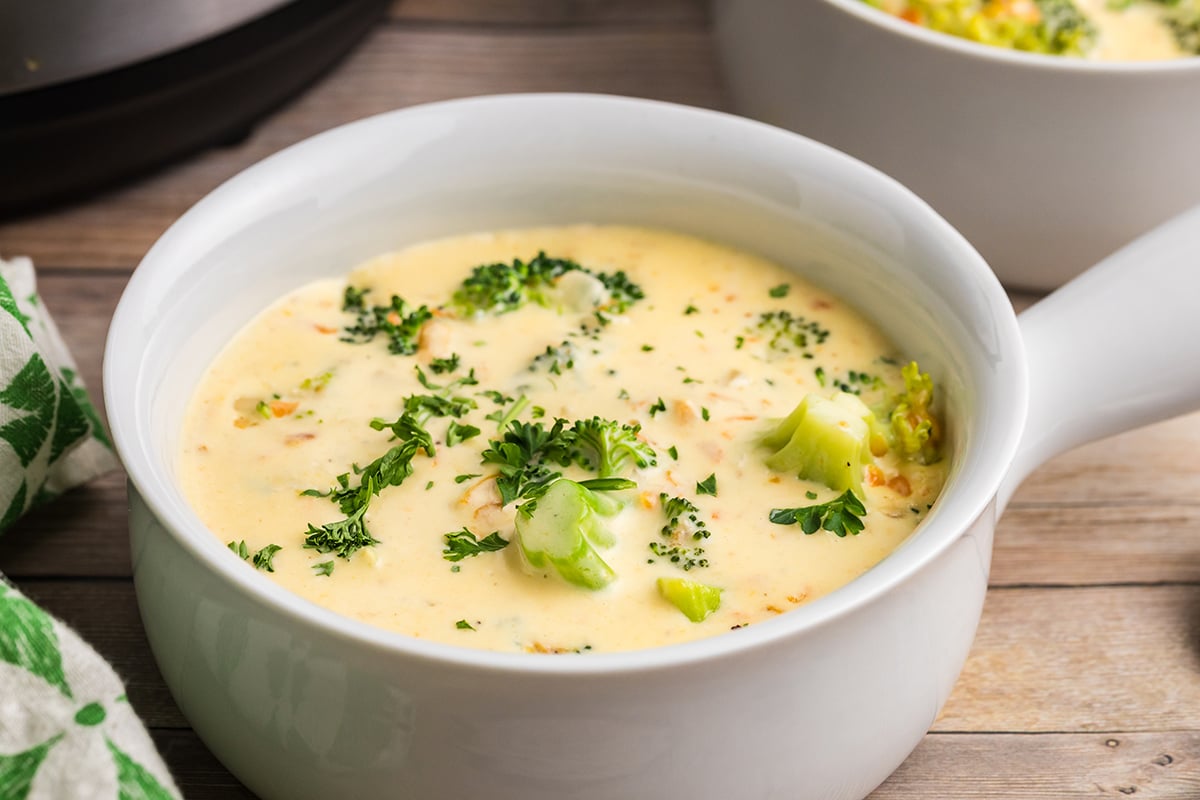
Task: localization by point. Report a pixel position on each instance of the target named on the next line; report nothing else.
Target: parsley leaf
(708, 485)
(523, 456)
(443, 365)
(840, 516)
(460, 433)
(463, 625)
(463, 544)
(264, 557)
(779, 291)
(324, 568)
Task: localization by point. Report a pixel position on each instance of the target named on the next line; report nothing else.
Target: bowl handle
(1114, 349)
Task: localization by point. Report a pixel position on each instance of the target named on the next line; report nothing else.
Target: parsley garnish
(522, 456)
(398, 321)
(444, 365)
(466, 477)
(343, 538)
(708, 485)
(500, 288)
(462, 544)
(691, 309)
(463, 625)
(239, 549)
(779, 291)
(324, 568)
(263, 558)
(657, 407)
(840, 516)
(460, 433)
(673, 452)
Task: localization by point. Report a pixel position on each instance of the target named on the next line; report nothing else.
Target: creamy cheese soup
(676, 367)
(1103, 30)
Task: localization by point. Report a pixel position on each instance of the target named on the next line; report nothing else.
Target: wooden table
(1084, 680)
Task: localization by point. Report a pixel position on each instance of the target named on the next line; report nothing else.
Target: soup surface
(680, 511)
(1104, 30)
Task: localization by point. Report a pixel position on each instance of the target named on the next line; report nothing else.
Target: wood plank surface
(1162, 766)
(1045, 660)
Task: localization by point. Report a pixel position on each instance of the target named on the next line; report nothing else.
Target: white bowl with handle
(820, 703)
(1045, 163)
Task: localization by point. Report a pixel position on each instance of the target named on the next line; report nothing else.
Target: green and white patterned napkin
(66, 730)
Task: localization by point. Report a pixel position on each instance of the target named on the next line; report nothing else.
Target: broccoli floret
(1183, 18)
(696, 600)
(560, 531)
(609, 447)
(915, 430)
(499, 288)
(824, 439)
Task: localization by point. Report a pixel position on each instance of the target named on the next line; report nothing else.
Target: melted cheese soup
(1101, 30)
(633, 439)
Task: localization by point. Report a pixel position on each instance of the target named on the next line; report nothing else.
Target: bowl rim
(122, 370)
(937, 40)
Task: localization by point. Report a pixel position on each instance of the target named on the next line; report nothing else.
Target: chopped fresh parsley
(400, 322)
(463, 544)
(325, 568)
(704, 413)
(463, 625)
(787, 333)
(708, 485)
(673, 451)
(263, 558)
(239, 549)
(343, 538)
(441, 366)
(779, 291)
(466, 477)
(524, 455)
(691, 309)
(657, 407)
(840, 516)
(499, 288)
(554, 359)
(457, 433)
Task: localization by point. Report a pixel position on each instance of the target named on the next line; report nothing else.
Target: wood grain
(1159, 766)
(1162, 766)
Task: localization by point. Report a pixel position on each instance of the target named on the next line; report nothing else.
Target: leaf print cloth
(66, 729)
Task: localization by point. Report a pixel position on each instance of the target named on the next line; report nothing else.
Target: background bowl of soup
(300, 702)
(1045, 163)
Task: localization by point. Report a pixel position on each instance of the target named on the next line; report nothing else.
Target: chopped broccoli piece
(696, 600)
(609, 447)
(825, 440)
(915, 429)
(559, 532)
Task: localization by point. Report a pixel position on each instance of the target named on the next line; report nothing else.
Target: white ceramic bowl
(1045, 164)
(301, 703)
